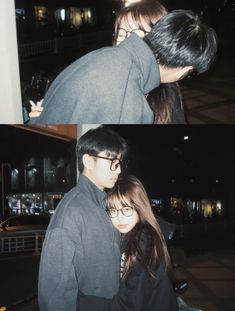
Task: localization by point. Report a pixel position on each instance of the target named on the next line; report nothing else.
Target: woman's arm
(131, 295)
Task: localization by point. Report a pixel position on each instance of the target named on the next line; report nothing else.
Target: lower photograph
(97, 217)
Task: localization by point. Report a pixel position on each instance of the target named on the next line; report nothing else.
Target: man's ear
(88, 161)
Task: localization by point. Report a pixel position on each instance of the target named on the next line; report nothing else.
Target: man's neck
(92, 179)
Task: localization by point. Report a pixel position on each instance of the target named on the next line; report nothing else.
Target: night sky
(203, 165)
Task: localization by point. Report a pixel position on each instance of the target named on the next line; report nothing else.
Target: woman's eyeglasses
(123, 33)
(125, 210)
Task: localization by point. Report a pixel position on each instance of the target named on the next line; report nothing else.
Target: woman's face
(126, 218)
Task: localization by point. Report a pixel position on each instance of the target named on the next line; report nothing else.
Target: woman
(139, 17)
(145, 268)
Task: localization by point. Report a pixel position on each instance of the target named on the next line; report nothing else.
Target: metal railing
(22, 243)
(60, 44)
(35, 48)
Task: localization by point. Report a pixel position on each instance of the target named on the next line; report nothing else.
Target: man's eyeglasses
(125, 210)
(115, 163)
(123, 33)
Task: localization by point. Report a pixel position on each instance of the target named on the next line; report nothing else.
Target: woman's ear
(88, 161)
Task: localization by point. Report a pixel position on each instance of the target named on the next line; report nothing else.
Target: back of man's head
(97, 140)
(179, 39)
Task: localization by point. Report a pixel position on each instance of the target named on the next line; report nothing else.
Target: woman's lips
(122, 226)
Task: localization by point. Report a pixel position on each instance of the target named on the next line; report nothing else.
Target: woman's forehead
(129, 22)
(119, 200)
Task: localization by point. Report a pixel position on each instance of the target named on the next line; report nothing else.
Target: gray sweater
(80, 251)
(105, 86)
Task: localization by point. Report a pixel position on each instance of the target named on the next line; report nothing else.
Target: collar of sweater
(93, 192)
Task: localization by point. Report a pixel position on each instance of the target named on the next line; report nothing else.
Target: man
(81, 248)
(109, 85)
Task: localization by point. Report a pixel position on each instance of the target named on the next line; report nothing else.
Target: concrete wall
(10, 94)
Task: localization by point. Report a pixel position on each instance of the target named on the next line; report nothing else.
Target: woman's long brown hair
(130, 191)
(163, 100)
(166, 98)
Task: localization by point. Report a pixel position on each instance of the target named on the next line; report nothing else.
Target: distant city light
(62, 14)
(89, 13)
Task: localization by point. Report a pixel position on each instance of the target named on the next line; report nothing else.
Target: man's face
(105, 170)
(170, 75)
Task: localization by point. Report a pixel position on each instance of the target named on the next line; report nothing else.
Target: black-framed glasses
(125, 210)
(123, 33)
(115, 162)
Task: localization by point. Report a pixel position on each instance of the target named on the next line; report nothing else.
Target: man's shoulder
(70, 212)
(76, 198)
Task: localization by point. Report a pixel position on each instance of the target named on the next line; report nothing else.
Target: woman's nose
(120, 215)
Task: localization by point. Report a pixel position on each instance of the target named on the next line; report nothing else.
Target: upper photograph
(117, 62)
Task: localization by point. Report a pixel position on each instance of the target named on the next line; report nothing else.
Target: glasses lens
(141, 33)
(121, 35)
(127, 211)
(113, 212)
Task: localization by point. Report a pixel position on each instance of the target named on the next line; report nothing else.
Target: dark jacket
(81, 250)
(105, 86)
(138, 293)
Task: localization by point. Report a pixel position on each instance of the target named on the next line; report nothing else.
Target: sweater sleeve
(57, 288)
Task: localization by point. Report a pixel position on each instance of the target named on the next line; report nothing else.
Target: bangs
(134, 17)
(114, 200)
(128, 18)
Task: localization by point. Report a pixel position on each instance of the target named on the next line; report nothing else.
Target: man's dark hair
(100, 139)
(179, 39)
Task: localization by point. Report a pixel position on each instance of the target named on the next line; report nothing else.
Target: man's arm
(57, 288)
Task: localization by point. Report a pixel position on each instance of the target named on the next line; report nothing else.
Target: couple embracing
(104, 248)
